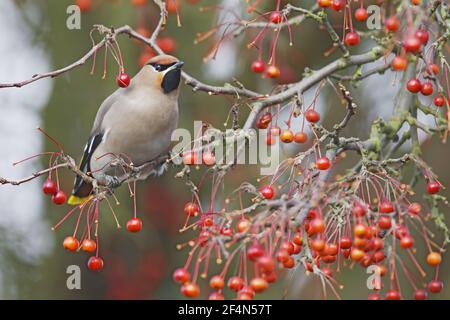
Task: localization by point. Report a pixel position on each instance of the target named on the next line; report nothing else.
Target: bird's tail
(75, 200)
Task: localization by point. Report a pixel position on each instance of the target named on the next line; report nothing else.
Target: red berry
(88, 245)
(361, 14)
(166, 44)
(401, 231)
(191, 209)
(289, 263)
(439, 102)
(287, 136)
(351, 38)
(420, 294)
(181, 276)
(399, 63)
(359, 210)
(59, 197)
(275, 17)
(267, 264)
(360, 230)
(414, 85)
(423, 36)
(235, 283)
(300, 137)
(338, 5)
(386, 207)
(324, 3)
(406, 242)
(356, 254)
(434, 258)
(71, 244)
(316, 226)
(345, 242)
(270, 277)
(412, 44)
(190, 290)
(95, 263)
(216, 296)
(273, 71)
(374, 296)
(190, 158)
(258, 66)
(123, 80)
(84, 5)
(392, 24)
(208, 158)
(312, 115)
(216, 282)
(393, 295)
(384, 223)
(433, 187)
(323, 163)
(49, 187)
(259, 284)
(427, 88)
(134, 225)
(267, 192)
(255, 252)
(435, 286)
(432, 68)
(243, 225)
(246, 293)
(282, 255)
(264, 121)
(317, 245)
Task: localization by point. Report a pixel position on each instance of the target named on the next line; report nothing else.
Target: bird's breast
(143, 130)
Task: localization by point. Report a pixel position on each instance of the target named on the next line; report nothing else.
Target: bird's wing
(103, 110)
(81, 189)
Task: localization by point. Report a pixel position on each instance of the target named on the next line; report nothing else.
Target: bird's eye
(157, 67)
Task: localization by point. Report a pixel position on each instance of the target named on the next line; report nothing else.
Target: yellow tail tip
(74, 200)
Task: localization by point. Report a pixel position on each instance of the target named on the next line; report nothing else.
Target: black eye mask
(161, 67)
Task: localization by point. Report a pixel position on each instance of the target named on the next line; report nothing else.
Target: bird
(134, 123)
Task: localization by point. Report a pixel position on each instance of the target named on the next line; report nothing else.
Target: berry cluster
(348, 227)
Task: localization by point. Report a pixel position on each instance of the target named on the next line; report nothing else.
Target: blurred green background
(139, 266)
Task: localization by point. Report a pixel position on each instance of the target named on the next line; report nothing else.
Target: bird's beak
(178, 65)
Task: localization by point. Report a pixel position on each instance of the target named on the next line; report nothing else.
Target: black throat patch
(171, 80)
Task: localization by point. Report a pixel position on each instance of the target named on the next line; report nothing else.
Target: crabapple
(59, 197)
(191, 209)
(123, 80)
(312, 115)
(49, 187)
(190, 290)
(88, 245)
(258, 66)
(361, 14)
(181, 276)
(434, 258)
(95, 263)
(433, 187)
(71, 244)
(267, 192)
(300, 137)
(323, 163)
(134, 225)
